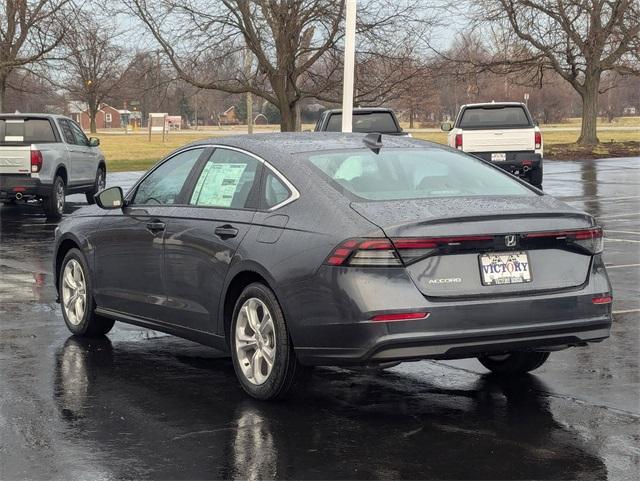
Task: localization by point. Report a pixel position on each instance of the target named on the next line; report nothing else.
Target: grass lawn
(135, 152)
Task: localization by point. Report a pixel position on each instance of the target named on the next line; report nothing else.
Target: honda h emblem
(510, 240)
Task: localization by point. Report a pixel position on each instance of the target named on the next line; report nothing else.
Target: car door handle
(226, 231)
(156, 226)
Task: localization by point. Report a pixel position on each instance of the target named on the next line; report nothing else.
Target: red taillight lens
(400, 316)
(394, 252)
(602, 300)
(591, 240)
(36, 161)
(538, 140)
(459, 141)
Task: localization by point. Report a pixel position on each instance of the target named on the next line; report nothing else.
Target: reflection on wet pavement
(140, 404)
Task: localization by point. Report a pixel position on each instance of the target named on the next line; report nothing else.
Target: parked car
(503, 133)
(45, 157)
(365, 120)
(336, 249)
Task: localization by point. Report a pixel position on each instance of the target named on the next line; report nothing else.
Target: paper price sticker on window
(217, 184)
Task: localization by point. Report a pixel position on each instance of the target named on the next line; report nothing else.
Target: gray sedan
(291, 250)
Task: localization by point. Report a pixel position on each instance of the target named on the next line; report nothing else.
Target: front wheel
(514, 363)
(76, 299)
(263, 356)
(98, 185)
(54, 203)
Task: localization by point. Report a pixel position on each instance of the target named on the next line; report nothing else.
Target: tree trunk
(588, 134)
(92, 117)
(3, 93)
(411, 116)
(289, 117)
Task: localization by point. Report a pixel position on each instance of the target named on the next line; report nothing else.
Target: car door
(73, 154)
(202, 238)
(87, 157)
(129, 250)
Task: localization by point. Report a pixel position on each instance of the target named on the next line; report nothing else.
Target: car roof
(32, 114)
(279, 148)
(361, 110)
(493, 104)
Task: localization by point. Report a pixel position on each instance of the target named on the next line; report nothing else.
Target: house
(107, 117)
(228, 117)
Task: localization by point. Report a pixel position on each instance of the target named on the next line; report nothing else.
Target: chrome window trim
(294, 193)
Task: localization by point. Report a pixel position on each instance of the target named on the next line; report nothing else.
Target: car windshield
(414, 173)
(494, 117)
(381, 122)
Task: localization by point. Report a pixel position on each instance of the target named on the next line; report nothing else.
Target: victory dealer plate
(498, 157)
(505, 268)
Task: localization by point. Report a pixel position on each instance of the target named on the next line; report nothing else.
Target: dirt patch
(601, 151)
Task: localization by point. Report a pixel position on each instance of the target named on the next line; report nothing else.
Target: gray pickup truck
(367, 120)
(45, 157)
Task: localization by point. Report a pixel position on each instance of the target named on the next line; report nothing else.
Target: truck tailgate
(499, 140)
(15, 159)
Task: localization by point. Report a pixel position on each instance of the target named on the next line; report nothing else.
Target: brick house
(107, 117)
(228, 117)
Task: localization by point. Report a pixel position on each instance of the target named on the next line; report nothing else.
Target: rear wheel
(74, 286)
(514, 362)
(98, 185)
(54, 203)
(535, 177)
(263, 356)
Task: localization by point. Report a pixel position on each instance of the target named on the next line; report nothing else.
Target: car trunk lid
(447, 243)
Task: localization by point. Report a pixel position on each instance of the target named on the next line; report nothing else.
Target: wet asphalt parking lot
(145, 405)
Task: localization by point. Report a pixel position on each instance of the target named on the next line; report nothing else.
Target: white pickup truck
(45, 157)
(502, 133)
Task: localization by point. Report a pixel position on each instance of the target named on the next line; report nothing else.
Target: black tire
(514, 363)
(535, 177)
(88, 324)
(98, 184)
(286, 371)
(54, 203)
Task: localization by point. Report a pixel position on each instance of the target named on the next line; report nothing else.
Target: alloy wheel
(60, 197)
(101, 183)
(74, 292)
(255, 338)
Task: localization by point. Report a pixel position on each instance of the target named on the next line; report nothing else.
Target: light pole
(349, 65)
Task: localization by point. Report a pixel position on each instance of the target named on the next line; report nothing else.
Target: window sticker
(217, 184)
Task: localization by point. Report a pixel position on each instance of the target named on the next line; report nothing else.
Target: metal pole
(349, 65)
(249, 109)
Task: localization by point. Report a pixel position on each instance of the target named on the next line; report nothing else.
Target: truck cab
(503, 133)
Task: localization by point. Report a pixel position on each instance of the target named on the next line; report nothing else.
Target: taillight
(400, 316)
(395, 252)
(538, 140)
(592, 240)
(36, 161)
(602, 300)
(459, 141)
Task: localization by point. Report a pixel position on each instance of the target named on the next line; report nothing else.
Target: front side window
(415, 173)
(80, 138)
(164, 184)
(226, 180)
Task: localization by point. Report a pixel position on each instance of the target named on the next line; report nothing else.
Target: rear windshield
(26, 131)
(416, 173)
(379, 122)
(494, 117)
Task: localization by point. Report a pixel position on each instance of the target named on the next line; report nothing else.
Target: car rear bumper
(517, 163)
(341, 332)
(21, 186)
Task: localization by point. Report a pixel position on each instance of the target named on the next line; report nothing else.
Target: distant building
(107, 117)
(630, 110)
(228, 117)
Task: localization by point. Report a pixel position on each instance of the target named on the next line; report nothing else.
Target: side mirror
(111, 198)
(94, 141)
(446, 126)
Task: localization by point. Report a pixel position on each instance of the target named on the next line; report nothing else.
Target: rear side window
(380, 122)
(66, 131)
(494, 117)
(26, 131)
(275, 192)
(417, 173)
(226, 180)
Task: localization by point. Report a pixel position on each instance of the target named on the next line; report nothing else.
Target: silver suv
(45, 157)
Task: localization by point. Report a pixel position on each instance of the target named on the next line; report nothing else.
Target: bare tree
(295, 44)
(579, 39)
(29, 32)
(93, 63)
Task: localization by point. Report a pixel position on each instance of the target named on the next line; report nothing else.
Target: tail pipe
(18, 195)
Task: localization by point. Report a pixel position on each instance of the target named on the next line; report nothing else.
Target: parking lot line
(623, 265)
(622, 240)
(622, 231)
(619, 216)
(626, 311)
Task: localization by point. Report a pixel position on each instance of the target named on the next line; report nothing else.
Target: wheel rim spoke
(74, 292)
(255, 344)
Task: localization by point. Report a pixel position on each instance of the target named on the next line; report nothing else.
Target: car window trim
(132, 192)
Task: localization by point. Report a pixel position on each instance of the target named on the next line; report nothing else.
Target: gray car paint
(327, 308)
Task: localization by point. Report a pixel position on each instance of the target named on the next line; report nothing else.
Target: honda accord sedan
(292, 250)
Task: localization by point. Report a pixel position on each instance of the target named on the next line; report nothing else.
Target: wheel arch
(61, 170)
(237, 280)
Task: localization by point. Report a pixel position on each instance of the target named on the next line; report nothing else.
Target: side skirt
(201, 337)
